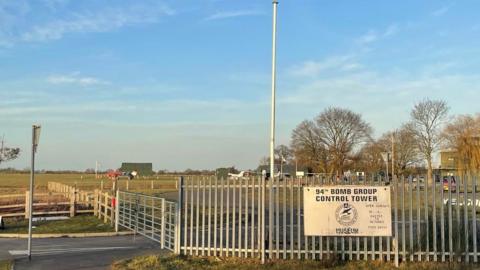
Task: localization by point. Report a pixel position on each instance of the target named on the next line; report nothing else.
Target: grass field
(154, 262)
(18, 183)
(78, 224)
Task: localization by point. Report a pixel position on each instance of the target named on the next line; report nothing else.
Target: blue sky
(186, 84)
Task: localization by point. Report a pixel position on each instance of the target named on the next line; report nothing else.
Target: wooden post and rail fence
(103, 203)
(60, 200)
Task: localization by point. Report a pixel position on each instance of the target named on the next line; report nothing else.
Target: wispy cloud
(14, 30)
(432, 80)
(373, 35)
(54, 4)
(391, 30)
(75, 79)
(368, 37)
(313, 68)
(9, 13)
(232, 14)
(103, 21)
(441, 11)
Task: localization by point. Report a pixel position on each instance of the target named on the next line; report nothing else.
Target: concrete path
(76, 253)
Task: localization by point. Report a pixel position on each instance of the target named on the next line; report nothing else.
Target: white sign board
(347, 211)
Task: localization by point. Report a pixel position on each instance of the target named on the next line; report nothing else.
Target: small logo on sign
(346, 214)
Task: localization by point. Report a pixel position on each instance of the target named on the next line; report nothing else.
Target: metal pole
(393, 154)
(178, 225)
(30, 207)
(272, 127)
(272, 122)
(387, 178)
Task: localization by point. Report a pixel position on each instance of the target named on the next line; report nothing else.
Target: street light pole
(385, 156)
(387, 179)
(35, 138)
(393, 155)
(272, 133)
(281, 165)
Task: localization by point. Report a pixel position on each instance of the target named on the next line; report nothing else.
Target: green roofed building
(143, 169)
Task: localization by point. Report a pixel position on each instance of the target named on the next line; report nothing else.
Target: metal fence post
(395, 181)
(262, 218)
(162, 236)
(178, 225)
(137, 209)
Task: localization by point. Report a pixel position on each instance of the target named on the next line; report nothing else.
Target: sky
(186, 84)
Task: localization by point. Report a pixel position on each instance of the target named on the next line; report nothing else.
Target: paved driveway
(75, 253)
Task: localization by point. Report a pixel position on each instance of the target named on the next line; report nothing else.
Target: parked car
(453, 183)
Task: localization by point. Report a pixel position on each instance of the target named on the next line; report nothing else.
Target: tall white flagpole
(272, 132)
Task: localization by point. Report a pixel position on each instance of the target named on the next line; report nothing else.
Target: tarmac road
(75, 253)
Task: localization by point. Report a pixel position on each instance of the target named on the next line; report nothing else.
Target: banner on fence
(347, 211)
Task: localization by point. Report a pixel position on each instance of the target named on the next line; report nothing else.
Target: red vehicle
(453, 183)
(114, 174)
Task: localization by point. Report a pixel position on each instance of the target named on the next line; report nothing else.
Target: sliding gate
(150, 216)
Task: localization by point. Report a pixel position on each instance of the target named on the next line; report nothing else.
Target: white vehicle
(236, 176)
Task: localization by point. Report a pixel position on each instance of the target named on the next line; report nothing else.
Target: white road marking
(64, 250)
(47, 245)
(18, 252)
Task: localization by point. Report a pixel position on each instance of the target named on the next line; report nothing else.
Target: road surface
(75, 253)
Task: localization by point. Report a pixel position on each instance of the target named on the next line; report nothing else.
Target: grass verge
(158, 262)
(78, 224)
(5, 265)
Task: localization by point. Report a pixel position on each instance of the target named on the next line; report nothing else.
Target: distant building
(143, 169)
(451, 159)
(448, 162)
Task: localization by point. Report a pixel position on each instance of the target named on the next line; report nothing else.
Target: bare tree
(427, 118)
(406, 153)
(369, 159)
(264, 161)
(283, 153)
(463, 136)
(341, 130)
(331, 139)
(307, 148)
(8, 153)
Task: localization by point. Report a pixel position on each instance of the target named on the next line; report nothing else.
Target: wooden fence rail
(103, 203)
(129, 185)
(104, 206)
(70, 199)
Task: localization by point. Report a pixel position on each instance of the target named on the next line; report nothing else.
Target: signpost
(347, 211)
(35, 139)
